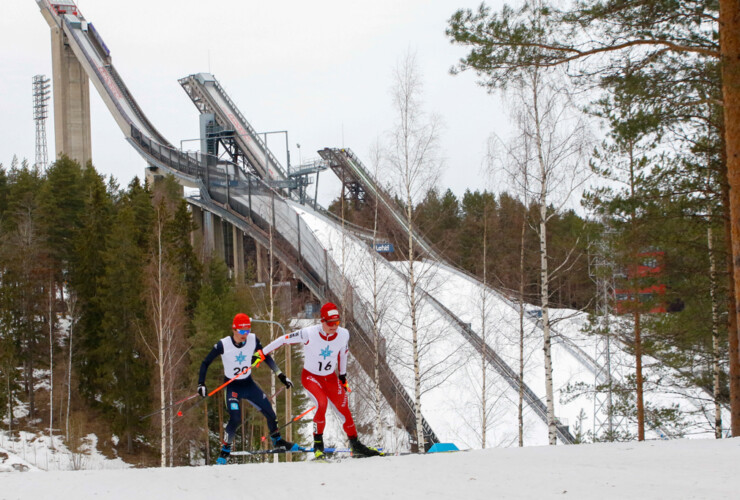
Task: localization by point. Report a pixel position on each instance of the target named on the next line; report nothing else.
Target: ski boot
(318, 447)
(279, 442)
(225, 452)
(360, 450)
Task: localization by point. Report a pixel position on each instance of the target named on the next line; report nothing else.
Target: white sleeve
(291, 338)
(343, 355)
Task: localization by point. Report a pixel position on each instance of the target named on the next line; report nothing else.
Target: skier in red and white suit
(325, 348)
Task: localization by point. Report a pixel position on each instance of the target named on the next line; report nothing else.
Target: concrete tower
(71, 92)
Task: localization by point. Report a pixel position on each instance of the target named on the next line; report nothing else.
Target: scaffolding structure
(40, 113)
(607, 425)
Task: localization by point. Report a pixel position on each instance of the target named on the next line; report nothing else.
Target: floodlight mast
(40, 113)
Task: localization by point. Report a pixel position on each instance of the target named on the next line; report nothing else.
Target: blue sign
(384, 247)
(311, 310)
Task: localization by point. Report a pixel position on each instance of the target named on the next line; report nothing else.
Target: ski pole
(214, 391)
(168, 406)
(295, 419)
(277, 392)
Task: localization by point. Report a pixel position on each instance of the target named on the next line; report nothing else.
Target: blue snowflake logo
(326, 352)
(240, 358)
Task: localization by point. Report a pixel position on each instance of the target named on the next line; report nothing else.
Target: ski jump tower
(71, 92)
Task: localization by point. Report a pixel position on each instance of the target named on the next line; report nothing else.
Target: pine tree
(122, 375)
(86, 275)
(61, 206)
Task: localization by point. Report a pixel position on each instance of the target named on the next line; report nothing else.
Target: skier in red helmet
(325, 349)
(239, 352)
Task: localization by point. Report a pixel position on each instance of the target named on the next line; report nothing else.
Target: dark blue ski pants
(249, 390)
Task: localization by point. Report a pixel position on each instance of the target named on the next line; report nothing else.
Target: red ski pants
(324, 389)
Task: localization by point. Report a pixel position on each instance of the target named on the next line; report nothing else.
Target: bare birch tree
(556, 145)
(73, 315)
(380, 304)
(166, 307)
(414, 166)
(515, 161)
(50, 296)
(713, 284)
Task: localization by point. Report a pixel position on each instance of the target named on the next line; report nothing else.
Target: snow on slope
(573, 353)
(680, 469)
(27, 451)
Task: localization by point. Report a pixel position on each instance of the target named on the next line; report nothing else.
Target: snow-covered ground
(678, 469)
(30, 452)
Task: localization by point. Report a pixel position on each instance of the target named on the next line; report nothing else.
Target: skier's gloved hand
(285, 380)
(343, 381)
(202, 390)
(257, 358)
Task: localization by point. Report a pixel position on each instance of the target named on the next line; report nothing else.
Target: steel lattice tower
(601, 270)
(40, 97)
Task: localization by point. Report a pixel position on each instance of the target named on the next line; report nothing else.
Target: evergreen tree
(182, 254)
(122, 375)
(438, 219)
(61, 205)
(86, 276)
(4, 188)
(479, 209)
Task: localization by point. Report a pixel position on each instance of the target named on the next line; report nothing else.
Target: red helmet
(329, 312)
(241, 322)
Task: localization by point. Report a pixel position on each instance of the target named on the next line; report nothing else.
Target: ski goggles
(332, 322)
(243, 332)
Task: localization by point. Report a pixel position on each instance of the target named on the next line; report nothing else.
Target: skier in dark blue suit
(239, 352)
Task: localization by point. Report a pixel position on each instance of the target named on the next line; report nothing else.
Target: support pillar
(261, 259)
(238, 246)
(219, 249)
(208, 236)
(197, 234)
(71, 101)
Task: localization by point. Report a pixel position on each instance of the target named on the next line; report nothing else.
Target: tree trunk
(414, 333)
(638, 376)
(71, 308)
(51, 363)
(729, 20)
(376, 331)
(546, 347)
(521, 336)
(484, 318)
(716, 367)
(544, 272)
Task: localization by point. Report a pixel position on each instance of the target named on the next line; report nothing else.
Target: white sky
(320, 70)
(681, 469)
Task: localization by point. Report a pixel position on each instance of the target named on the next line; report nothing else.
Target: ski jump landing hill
(253, 195)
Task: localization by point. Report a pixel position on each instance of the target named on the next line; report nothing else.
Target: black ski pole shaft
(292, 421)
(168, 406)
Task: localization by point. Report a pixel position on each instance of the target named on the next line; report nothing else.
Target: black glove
(202, 390)
(343, 381)
(285, 380)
